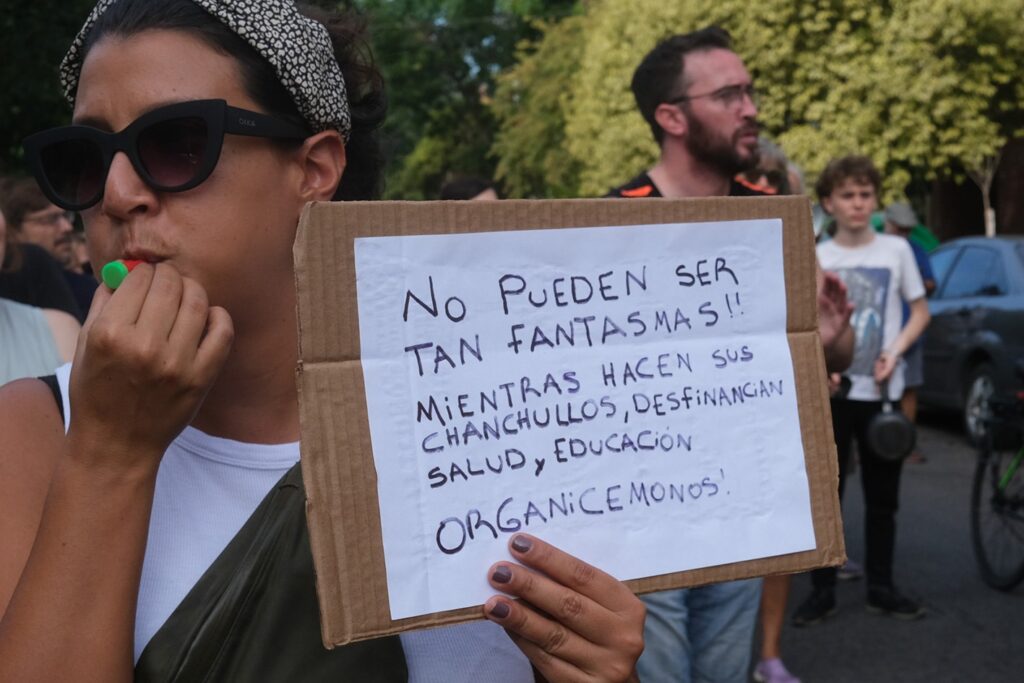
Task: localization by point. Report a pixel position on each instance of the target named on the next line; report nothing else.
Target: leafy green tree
(962, 95)
(530, 104)
(33, 36)
(948, 100)
(798, 52)
(927, 88)
(440, 59)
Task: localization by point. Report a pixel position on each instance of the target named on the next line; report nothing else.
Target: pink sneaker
(773, 671)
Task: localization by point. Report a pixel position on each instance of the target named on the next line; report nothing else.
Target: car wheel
(980, 389)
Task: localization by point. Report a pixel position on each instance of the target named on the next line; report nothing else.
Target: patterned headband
(298, 48)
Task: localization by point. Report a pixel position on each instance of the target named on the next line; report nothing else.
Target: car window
(941, 260)
(978, 272)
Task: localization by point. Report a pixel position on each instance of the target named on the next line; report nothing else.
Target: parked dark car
(974, 345)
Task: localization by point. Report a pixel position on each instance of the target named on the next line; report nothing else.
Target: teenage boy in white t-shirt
(880, 273)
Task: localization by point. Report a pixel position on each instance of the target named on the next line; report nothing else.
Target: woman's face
(234, 232)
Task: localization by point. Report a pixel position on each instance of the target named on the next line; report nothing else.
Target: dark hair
(859, 168)
(772, 165)
(11, 260)
(363, 82)
(662, 74)
(20, 198)
(466, 187)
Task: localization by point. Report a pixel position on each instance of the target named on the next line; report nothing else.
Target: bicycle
(997, 496)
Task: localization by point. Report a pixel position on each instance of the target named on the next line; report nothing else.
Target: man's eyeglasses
(730, 96)
(173, 149)
(51, 219)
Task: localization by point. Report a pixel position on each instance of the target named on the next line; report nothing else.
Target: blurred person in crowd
(469, 187)
(796, 178)
(774, 172)
(33, 341)
(880, 273)
(29, 274)
(770, 175)
(35, 220)
(701, 106)
(79, 262)
(900, 220)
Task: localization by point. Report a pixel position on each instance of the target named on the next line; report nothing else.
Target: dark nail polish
(502, 575)
(500, 610)
(521, 544)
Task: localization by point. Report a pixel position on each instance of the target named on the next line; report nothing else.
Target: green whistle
(115, 272)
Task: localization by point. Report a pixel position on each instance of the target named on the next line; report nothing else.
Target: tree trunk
(983, 175)
(989, 211)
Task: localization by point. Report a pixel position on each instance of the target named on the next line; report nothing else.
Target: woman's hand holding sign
(574, 622)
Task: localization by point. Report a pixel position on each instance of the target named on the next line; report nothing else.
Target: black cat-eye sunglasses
(173, 149)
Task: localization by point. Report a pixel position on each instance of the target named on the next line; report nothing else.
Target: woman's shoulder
(30, 420)
(33, 436)
(65, 329)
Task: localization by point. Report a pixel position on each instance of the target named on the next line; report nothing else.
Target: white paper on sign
(626, 393)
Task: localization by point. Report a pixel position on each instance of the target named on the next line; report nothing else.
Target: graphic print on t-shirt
(867, 288)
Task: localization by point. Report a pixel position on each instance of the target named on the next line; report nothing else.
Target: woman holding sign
(162, 537)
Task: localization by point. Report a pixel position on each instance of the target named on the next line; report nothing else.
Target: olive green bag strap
(253, 616)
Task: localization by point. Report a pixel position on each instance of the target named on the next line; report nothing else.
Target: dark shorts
(913, 372)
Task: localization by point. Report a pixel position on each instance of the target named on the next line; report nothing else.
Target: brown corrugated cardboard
(337, 462)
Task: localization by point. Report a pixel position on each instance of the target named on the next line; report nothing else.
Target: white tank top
(206, 488)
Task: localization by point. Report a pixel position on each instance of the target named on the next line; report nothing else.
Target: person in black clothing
(699, 100)
(32, 340)
(35, 220)
(31, 276)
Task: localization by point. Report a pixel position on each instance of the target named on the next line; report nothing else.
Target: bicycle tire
(997, 520)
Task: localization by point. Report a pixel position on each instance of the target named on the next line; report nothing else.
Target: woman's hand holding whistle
(147, 355)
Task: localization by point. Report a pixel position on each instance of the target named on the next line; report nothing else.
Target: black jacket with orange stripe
(643, 186)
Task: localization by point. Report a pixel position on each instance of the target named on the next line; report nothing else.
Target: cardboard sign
(643, 376)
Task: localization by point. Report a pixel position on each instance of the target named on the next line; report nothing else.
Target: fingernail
(500, 610)
(521, 544)
(502, 575)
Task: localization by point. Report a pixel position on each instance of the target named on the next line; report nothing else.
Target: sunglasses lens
(74, 169)
(174, 151)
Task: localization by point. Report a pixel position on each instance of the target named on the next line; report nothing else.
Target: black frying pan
(891, 435)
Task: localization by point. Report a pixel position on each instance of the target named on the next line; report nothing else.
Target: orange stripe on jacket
(642, 191)
(766, 189)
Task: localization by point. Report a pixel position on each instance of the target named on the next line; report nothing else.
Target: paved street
(971, 633)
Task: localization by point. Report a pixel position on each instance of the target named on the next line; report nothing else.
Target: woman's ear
(322, 159)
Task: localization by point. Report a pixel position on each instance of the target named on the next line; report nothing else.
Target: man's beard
(719, 153)
(63, 251)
